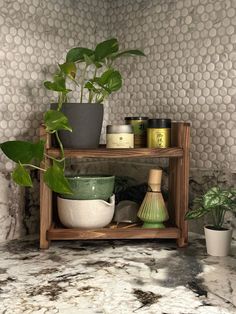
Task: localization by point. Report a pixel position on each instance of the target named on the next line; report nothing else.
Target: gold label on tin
(121, 140)
(159, 138)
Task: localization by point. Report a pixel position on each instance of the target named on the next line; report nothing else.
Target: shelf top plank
(119, 152)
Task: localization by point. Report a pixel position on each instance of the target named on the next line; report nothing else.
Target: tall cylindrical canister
(139, 125)
(119, 136)
(158, 133)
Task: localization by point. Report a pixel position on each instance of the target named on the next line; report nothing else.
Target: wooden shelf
(171, 152)
(112, 233)
(177, 201)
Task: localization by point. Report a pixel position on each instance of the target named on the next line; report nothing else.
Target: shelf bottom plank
(108, 233)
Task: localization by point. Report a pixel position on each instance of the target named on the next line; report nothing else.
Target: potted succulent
(92, 71)
(216, 201)
(102, 83)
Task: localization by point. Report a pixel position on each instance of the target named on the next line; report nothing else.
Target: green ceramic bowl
(90, 187)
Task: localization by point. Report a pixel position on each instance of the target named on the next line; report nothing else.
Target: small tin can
(119, 136)
(158, 133)
(139, 125)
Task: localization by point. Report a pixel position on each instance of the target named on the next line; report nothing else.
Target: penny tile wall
(189, 74)
(35, 36)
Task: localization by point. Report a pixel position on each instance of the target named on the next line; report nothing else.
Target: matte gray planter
(86, 122)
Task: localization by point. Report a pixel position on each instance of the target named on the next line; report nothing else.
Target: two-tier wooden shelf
(176, 227)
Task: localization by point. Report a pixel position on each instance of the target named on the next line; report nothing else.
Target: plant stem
(50, 157)
(60, 101)
(61, 149)
(33, 166)
(222, 216)
(82, 83)
(214, 217)
(91, 92)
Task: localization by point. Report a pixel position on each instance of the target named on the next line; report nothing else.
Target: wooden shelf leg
(184, 186)
(179, 181)
(45, 213)
(45, 200)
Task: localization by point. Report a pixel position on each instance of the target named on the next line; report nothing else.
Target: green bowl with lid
(90, 187)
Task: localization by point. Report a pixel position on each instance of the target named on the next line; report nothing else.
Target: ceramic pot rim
(91, 176)
(226, 229)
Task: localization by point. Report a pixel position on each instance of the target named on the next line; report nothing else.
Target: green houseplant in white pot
(216, 201)
(93, 73)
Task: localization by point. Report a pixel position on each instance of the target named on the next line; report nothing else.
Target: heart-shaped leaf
(77, 54)
(56, 120)
(56, 181)
(114, 82)
(127, 53)
(58, 84)
(106, 48)
(22, 151)
(38, 150)
(21, 176)
(68, 68)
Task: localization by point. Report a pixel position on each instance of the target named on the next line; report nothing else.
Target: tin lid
(159, 123)
(135, 118)
(120, 128)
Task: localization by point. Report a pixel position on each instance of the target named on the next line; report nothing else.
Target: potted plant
(31, 155)
(216, 201)
(92, 71)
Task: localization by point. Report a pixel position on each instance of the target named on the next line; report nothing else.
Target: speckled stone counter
(116, 277)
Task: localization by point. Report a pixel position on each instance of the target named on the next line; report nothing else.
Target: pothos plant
(88, 69)
(216, 201)
(91, 70)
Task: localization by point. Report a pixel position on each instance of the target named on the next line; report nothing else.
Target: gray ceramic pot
(86, 122)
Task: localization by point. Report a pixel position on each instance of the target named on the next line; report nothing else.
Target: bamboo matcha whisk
(153, 210)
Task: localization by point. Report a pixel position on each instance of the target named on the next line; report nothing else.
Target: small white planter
(85, 214)
(218, 241)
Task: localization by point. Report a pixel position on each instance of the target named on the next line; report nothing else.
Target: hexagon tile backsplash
(35, 36)
(189, 73)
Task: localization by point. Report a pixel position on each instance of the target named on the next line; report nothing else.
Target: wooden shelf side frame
(179, 180)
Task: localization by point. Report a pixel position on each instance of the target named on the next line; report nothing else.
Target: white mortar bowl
(85, 214)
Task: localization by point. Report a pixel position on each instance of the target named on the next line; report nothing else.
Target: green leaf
(213, 198)
(89, 60)
(90, 86)
(196, 213)
(56, 181)
(105, 77)
(77, 54)
(57, 85)
(127, 53)
(19, 151)
(21, 176)
(106, 48)
(68, 68)
(56, 120)
(110, 80)
(114, 81)
(38, 150)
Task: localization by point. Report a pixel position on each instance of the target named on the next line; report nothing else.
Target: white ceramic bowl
(85, 214)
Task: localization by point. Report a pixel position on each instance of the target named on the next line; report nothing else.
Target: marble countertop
(116, 277)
